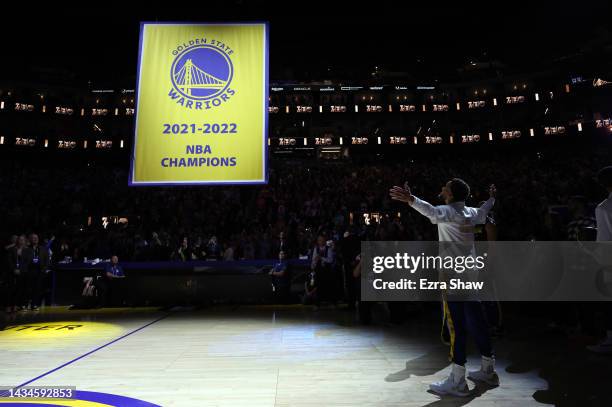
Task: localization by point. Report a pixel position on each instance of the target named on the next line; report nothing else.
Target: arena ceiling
(311, 39)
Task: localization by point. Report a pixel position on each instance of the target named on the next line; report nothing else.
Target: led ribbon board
(201, 104)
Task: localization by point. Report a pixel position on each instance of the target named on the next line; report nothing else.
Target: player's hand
(398, 193)
(492, 191)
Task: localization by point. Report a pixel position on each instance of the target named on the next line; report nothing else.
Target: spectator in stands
(281, 280)
(198, 249)
(184, 252)
(213, 249)
(322, 264)
(111, 284)
(19, 258)
(282, 242)
(298, 202)
(155, 250)
(230, 252)
(141, 248)
(364, 307)
(64, 250)
(311, 291)
(37, 269)
(350, 247)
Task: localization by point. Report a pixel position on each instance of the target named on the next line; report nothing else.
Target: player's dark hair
(604, 176)
(460, 189)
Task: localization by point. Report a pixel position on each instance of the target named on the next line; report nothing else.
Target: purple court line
(87, 354)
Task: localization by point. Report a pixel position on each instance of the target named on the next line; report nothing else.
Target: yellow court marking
(64, 309)
(56, 334)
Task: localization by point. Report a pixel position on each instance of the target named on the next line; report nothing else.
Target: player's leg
(478, 328)
(455, 383)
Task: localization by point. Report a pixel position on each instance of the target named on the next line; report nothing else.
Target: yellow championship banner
(201, 104)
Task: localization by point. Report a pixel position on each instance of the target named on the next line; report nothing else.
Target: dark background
(97, 43)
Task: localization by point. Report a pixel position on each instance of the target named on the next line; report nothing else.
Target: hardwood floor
(262, 356)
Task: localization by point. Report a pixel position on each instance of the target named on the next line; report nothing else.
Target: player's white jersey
(603, 216)
(455, 221)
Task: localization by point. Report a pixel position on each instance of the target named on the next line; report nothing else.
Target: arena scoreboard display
(201, 104)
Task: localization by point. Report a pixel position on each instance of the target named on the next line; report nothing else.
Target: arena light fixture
(121, 144)
(458, 106)
(490, 136)
(579, 126)
(1, 139)
(531, 132)
(494, 101)
(537, 97)
(341, 141)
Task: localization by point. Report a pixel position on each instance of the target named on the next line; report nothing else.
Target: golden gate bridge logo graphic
(201, 72)
(191, 77)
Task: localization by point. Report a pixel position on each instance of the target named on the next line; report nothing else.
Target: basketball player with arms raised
(456, 223)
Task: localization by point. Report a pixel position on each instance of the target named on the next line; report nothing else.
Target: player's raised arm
(402, 194)
(435, 214)
(485, 208)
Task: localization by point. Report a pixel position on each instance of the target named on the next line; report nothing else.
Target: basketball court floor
(275, 356)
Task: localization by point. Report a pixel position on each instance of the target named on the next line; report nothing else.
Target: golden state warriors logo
(201, 74)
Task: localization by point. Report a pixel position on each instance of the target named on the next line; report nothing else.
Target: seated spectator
(111, 284)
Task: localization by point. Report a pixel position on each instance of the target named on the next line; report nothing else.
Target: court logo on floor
(35, 335)
(81, 399)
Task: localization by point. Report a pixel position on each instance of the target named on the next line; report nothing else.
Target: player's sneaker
(486, 373)
(454, 384)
